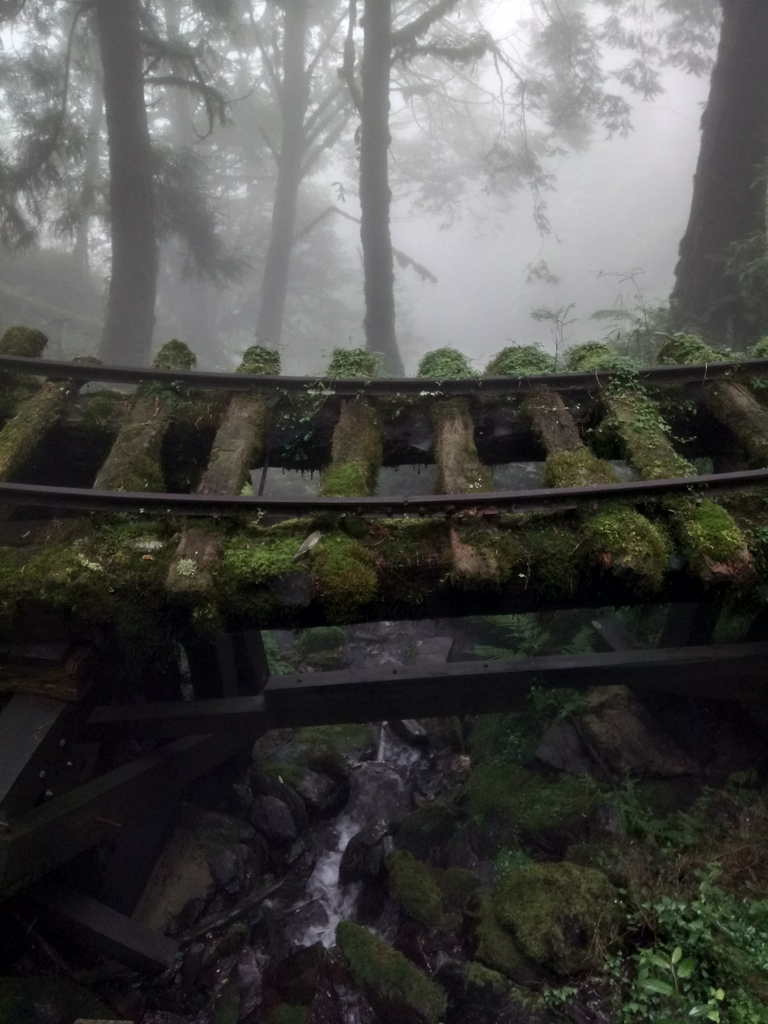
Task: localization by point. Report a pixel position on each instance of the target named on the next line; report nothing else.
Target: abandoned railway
(144, 521)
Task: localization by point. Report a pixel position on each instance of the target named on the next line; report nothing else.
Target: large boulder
(478, 995)
(377, 793)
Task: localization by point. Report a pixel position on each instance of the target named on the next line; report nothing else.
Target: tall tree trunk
(375, 194)
(81, 250)
(132, 288)
(293, 97)
(728, 201)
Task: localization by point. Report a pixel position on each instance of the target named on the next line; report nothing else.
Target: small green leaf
(658, 961)
(718, 994)
(686, 969)
(714, 1015)
(677, 956)
(663, 988)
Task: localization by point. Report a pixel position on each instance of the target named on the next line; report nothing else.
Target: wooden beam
(613, 636)
(729, 672)
(104, 930)
(53, 833)
(245, 717)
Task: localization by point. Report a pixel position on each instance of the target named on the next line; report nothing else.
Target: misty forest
(383, 511)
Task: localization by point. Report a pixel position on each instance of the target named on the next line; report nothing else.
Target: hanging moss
(388, 974)
(520, 361)
(562, 916)
(445, 364)
(260, 361)
(175, 355)
(23, 341)
(354, 364)
(578, 468)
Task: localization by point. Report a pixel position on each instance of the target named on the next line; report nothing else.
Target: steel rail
(430, 504)
(419, 386)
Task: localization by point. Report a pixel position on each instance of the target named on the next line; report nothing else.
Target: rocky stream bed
(599, 858)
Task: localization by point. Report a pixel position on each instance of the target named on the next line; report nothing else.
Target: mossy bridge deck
(141, 515)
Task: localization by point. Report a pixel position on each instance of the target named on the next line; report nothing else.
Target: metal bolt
(42, 774)
(62, 742)
(70, 764)
(48, 794)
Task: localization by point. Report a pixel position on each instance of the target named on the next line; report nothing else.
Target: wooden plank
(55, 832)
(258, 662)
(232, 716)
(730, 672)
(47, 678)
(34, 738)
(104, 930)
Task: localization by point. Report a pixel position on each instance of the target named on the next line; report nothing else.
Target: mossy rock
(23, 341)
(506, 801)
(431, 896)
(425, 832)
(479, 995)
(445, 364)
(321, 638)
(350, 480)
(709, 532)
(175, 355)
(47, 1001)
(399, 990)
(562, 916)
(344, 574)
(520, 361)
(260, 361)
(492, 944)
(354, 364)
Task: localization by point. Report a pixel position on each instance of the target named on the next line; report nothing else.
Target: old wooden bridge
(129, 532)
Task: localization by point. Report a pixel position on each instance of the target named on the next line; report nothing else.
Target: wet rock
(377, 792)
(606, 822)
(262, 785)
(161, 1017)
(364, 856)
(410, 730)
(478, 995)
(301, 922)
(226, 870)
(295, 978)
(243, 795)
(273, 819)
(249, 982)
(326, 1005)
(320, 792)
(426, 832)
(613, 736)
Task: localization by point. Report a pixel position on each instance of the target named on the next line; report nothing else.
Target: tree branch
(347, 72)
(325, 44)
(409, 33)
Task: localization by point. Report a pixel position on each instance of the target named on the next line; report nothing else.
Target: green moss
(514, 800)
(643, 433)
(456, 886)
(287, 1014)
(354, 364)
(427, 830)
(102, 409)
(261, 361)
(322, 638)
(631, 542)
(578, 468)
(562, 916)
(175, 355)
(344, 575)
(708, 531)
(23, 341)
(687, 348)
(21, 435)
(356, 452)
(254, 559)
(445, 364)
(388, 974)
(413, 885)
(595, 355)
(520, 361)
(553, 557)
(351, 480)
(459, 470)
(492, 944)
(760, 351)
(143, 474)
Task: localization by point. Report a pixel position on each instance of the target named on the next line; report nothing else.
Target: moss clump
(354, 364)
(509, 801)
(413, 885)
(322, 638)
(23, 341)
(356, 452)
(626, 541)
(595, 355)
(553, 556)
(562, 916)
(426, 832)
(709, 532)
(578, 468)
(344, 575)
(760, 351)
(492, 944)
(687, 348)
(21, 435)
(387, 974)
(259, 360)
(351, 480)
(520, 361)
(445, 364)
(102, 409)
(175, 355)
(256, 559)
(31, 1000)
